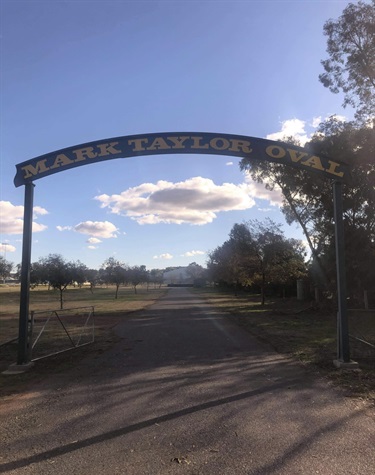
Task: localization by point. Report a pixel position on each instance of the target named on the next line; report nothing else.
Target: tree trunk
(263, 289)
(61, 299)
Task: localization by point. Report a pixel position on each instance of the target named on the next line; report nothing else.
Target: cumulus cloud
(316, 121)
(259, 190)
(93, 240)
(98, 229)
(297, 128)
(92, 247)
(164, 256)
(229, 164)
(12, 218)
(193, 253)
(291, 128)
(5, 247)
(64, 228)
(195, 201)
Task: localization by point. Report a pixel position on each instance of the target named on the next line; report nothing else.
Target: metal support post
(343, 351)
(23, 352)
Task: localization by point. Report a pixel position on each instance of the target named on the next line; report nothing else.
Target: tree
(257, 253)
(157, 277)
(114, 272)
(308, 200)
(270, 256)
(38, 274)
(92, 276)
(5, 268)
(225, 266)
(351, 63)
(197, 273)
(305, 208)
(137, 275)
(58, 273)
(356, 146)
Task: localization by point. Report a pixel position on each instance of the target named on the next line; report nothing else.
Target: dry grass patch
(306, 333)
(108, 313)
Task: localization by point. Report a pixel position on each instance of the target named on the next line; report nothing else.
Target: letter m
(30, 170)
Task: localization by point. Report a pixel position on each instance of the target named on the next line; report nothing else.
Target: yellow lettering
(108, 149)
(158, 143)
(30, 170)
(275, 151)
(178, 141)
(314, 162)
(197, 144)
(137, 144)
(219, 143)
(240, 146)
(296, 155)
(83, 153)
(332, 169)
(61, 160)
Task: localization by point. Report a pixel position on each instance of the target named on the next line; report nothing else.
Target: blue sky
(79, 71)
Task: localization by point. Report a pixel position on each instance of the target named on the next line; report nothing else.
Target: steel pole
(343, 351)
(23, 353)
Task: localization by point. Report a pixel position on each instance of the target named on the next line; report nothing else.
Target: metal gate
(55, 331)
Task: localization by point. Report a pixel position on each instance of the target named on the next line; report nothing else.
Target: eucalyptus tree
(350, 66)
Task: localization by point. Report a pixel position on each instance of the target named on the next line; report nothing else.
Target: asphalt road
(186, 392)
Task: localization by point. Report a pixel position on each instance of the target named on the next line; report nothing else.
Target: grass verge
(307, 334)
(108, 313)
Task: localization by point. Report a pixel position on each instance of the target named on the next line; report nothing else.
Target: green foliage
(114, 272)
(5, 268)
(351, 64)
(138, 275)
(58, 273)
(257, 253)
(308, 201)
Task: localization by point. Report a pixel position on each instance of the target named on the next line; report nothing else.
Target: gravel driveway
(185, 391)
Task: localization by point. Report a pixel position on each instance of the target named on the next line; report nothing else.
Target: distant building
(178, 276)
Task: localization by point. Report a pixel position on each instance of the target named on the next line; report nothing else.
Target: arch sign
(176, 143)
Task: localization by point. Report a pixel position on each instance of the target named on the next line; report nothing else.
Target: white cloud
(98, 229)
(93, 240)
(193, 253)
(4, 247)
(316, 121)
(12, 218)
(259, 191)
(39, 210)
(164, 256)
(92, 247)
(291, 128)
(229, 164)
(195, 201)
(64, 228)
(297, 128)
